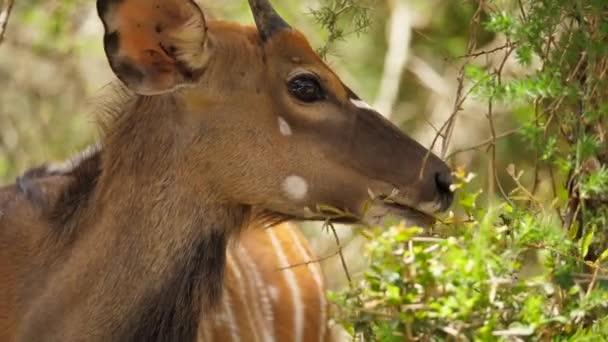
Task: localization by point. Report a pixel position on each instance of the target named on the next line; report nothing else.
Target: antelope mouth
(384, 207)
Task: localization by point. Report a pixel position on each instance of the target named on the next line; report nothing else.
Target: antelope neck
(152, 259)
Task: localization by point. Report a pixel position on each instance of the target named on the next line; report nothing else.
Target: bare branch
(472, 45)
(485, 52)
(342, 258)
(312, 261)
(484, 143)
(5, 13)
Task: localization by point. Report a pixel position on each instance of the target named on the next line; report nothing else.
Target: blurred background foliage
(511, 92)
(52, 65)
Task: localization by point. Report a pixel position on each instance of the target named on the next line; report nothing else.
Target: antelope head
(263, 121)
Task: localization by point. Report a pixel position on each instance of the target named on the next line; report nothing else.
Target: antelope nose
(444, 183)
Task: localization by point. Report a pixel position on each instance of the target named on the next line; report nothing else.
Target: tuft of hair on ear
(191, 43)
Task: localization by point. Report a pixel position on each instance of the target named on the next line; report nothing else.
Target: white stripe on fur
(293, 286)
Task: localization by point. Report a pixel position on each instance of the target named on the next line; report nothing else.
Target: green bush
(509, 271)
(518, 264)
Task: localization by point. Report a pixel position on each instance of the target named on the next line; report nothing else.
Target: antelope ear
(154, 46)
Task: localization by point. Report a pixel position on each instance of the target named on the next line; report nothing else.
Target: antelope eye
(306, 88)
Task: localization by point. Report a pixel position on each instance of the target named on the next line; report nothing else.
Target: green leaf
(603, 256)
(586, 242)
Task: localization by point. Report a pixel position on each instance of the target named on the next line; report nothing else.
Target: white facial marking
(295, 187)
(361, 104)
(284, 127)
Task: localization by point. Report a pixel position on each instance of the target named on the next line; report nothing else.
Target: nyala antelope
(222, 127)
(273, 292)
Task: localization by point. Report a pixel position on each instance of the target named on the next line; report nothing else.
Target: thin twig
(342, 259)
(445, 125)
(312, 261)
(593, 281)
(447, 128)
(523, 189)
(484, 143)
(545, 58)
(492, 180)
(484, 52)
(536, 149)
(4, 16)
(492, 125)
(522, 11)
(472, 45)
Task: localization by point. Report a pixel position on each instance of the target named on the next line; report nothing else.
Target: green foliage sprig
(333, 13)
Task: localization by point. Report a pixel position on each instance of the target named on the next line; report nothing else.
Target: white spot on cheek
(284, 127)
(361, 104)
(295, 187)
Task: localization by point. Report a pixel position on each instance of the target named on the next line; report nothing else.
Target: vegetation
(518, 263)
(512, 92)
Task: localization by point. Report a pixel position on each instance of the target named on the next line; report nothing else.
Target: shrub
(523, 265)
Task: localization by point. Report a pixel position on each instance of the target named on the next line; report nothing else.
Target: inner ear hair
(154, 47)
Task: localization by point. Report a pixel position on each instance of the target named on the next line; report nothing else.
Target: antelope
(221, 127)
(273, 292)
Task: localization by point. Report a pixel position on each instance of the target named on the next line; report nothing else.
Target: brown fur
(56, 190)
(138, 252)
